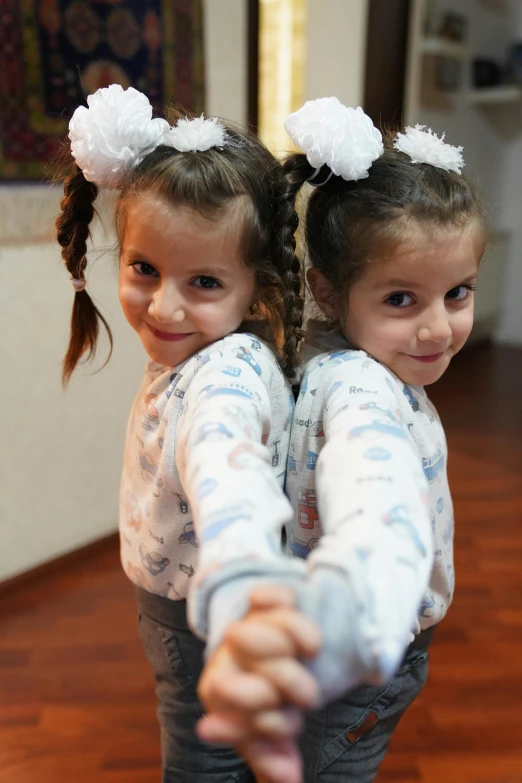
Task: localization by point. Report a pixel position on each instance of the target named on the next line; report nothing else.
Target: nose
(435, 325)
(166, 305)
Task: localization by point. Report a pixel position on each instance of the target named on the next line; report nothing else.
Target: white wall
(61, 451)
(336, 42)
(510, 330)
(492, 141)
(225, 31)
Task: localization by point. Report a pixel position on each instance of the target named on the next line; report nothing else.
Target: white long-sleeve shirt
(201, 493)
(367, 480)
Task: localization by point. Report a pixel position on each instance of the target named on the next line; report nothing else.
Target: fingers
(255, 668)
(243, 691)
(235, 729)
(275, 632)
(278, 723)
(277, 762)
(223, 729)
(293, 682)
(255, 638)
(273, 682)
(269, 596)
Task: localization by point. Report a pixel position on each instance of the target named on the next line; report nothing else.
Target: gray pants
(176, 658)
(346, 741)
(343, 743)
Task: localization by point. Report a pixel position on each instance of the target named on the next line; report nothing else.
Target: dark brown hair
(347, 223)
(208, 182)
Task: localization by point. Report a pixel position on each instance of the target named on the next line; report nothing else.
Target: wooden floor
(76, 696)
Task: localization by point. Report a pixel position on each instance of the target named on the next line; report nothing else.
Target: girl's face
(413, 310)
(183, 283)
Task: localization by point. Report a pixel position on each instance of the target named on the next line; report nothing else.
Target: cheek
(248, 290)
(462, 325)
(131, 298)
(398, 331)
(355, 317)
(222, 316)
(388, 333)
(239, 301)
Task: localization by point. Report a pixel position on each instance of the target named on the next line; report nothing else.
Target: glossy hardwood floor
(76, 696)
(467, 725)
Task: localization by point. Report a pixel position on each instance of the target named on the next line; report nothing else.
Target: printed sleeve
(238, 505)
(372, 499)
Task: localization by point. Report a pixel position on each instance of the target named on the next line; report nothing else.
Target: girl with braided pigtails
(209, 280)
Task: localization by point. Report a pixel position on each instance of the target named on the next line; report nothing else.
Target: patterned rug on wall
(54, 52)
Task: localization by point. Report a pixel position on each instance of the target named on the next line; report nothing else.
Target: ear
(322, 291)
(255, 301)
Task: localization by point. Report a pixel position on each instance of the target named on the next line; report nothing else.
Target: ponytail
(283, 253)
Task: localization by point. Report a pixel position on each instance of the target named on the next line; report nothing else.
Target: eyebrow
(212, 271)
(132, 251)
(209, 271)
(397, 283)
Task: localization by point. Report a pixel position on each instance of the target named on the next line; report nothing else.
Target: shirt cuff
(346, 658)
(224, 596)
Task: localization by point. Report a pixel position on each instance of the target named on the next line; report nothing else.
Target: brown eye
(142, 268)
(459, 293)
(399, 299)
(207, 282)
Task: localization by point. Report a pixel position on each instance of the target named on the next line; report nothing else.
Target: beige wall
(226, 58)
(61, 451)
(336, 49)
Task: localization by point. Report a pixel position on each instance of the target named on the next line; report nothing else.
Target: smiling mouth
(427, 358)
(169, 337)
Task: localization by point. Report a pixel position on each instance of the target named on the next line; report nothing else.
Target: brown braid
(73, 231)
(283, 256)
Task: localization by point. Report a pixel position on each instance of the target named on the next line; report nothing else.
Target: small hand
(251, 676)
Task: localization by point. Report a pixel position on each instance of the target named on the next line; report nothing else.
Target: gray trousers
(176, 658)
(346, 741)
(343, 743)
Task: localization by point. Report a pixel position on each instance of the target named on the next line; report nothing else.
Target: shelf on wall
(482, 96)
(444, 48)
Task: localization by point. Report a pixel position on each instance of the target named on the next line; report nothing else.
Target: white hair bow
(117, 131)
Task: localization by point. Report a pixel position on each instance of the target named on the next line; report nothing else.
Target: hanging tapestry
(55, 52)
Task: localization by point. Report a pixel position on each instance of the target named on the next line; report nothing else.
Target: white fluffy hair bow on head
(117, 131)
(424, 146)
(329, 133)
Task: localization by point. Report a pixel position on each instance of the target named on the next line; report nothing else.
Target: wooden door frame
(253, 64)
(386, 60)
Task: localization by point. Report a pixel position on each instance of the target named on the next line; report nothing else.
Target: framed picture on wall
(55, 54)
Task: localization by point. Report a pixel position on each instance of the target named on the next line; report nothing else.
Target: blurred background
(454, 66)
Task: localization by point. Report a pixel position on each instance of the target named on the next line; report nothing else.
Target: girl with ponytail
(394, 235)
